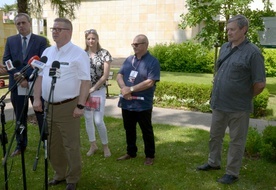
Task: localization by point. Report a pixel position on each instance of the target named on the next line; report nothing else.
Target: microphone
(55, 71)
(21, 73)
(38, 66)
(9, 65)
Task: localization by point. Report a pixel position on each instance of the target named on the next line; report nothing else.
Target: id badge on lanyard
(133, 74)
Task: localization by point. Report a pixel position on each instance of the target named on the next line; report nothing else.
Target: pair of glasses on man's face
(137, 44)
(90, 31)
(58, 29)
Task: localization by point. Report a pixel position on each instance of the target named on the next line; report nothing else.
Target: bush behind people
(194, 58)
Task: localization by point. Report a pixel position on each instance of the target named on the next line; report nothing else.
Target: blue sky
(8, 2)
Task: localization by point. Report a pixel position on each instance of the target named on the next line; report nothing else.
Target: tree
(7, 9)
(63, 8)
(208, 12)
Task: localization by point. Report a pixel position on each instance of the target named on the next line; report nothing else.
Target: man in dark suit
(22, 47)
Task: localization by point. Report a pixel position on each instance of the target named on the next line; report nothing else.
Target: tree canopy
(214, 14)
(63, 8)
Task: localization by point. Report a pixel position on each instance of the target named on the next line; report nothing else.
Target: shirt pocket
(237, 70)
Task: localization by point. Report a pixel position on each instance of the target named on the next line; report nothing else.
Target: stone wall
(6, 30)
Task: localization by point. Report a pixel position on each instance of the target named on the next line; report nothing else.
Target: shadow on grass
(179, 150)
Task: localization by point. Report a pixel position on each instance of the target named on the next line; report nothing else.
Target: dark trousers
(143, 118)
(20, 105)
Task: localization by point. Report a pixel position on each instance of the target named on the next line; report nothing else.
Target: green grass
(179, 150)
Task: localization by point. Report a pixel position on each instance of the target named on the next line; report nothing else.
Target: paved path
(180, 117)
(160, 115)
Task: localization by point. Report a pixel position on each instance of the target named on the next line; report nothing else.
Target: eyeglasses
(58, 29)
(90, 31)
(137, 44)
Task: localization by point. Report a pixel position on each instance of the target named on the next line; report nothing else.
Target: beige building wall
(6, 30)
(119, 21)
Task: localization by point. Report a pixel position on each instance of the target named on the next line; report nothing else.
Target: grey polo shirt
(234, 80)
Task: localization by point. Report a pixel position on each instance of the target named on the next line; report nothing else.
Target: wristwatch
(80, 106)
(131, 89)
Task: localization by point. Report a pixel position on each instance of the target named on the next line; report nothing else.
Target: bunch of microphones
(37, 64)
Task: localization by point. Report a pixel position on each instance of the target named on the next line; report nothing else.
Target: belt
(63, 102)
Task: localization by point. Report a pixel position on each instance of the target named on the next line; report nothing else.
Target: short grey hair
(22, 14)
(241, 20)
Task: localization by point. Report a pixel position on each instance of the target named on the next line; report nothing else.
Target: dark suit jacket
(13, 51)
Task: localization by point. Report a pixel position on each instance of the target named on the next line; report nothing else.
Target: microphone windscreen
(43, 59)
(16, 63)
(33, 58)
(56, 64)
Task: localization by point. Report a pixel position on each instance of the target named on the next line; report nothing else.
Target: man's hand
(37, 105)
(78, 112)
(18, 76)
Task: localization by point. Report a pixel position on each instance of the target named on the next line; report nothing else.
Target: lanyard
(132, 63)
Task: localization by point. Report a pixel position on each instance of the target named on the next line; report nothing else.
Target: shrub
(270, 62)
(194, 58)
(197, 96)
(268, 150)
(260, 104)
(253, 143)
(184, 57)
(193, 96)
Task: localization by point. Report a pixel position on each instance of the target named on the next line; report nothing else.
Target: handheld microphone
(55, 71)
(22, 72)
(38, 66)
(9, 65)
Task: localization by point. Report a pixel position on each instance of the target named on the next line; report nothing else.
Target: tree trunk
(22, 6)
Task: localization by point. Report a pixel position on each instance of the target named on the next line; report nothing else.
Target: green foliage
(193, 96)
(260, 103)
(194, 58)
(184, 57)
(263, 145)
(206, 13)
(269, 140)
(197, 96)
(270, 62)
(253, 142)
(65, 9)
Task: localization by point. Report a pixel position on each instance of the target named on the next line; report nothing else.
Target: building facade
(119, 21)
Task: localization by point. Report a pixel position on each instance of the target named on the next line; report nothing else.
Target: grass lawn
(178, 152)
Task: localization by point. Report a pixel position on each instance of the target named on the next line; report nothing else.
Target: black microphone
(38, 66)
(9, 65)
(55, 71)
(24, 69)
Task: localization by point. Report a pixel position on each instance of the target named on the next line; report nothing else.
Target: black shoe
(71, 186)
(228, 179)
(55, 182)
(207, 167)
